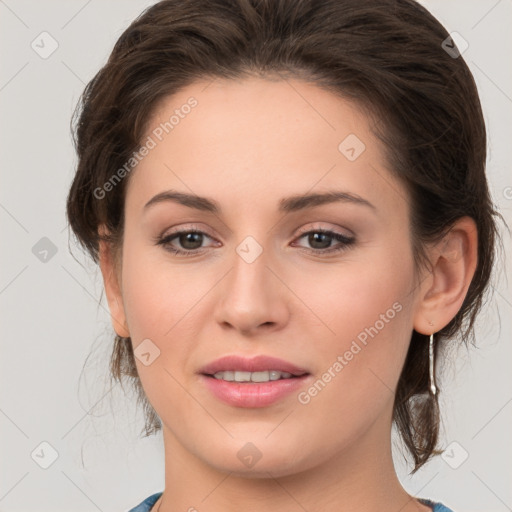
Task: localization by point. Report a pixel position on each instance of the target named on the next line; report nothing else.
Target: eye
(321, 239)
(190, 241)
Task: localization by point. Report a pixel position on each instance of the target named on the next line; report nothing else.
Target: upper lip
(251, 364)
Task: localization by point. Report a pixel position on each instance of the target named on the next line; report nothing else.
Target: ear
(453, 264)
(112, 286)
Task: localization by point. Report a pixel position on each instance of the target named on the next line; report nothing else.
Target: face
(324, 285)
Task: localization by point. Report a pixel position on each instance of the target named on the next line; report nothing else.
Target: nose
(252, 296)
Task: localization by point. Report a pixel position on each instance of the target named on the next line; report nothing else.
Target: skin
(246, 145)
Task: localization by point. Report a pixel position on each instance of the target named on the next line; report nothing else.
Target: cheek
(351, 296)
(160, 301)
(157, 294)
(365, 312)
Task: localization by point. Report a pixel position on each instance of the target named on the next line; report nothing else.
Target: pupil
(316, 237)
(190, 238)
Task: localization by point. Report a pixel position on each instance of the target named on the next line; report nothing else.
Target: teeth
(238, 376)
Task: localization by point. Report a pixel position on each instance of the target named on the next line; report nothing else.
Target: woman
(288, 203)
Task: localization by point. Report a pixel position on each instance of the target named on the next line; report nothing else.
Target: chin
(260, 459)
(261, 470)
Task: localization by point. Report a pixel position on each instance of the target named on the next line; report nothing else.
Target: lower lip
(253, 394)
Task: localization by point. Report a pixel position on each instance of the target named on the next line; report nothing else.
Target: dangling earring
(433, 388)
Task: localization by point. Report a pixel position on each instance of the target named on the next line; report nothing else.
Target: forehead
(286, 114)
(261, 138)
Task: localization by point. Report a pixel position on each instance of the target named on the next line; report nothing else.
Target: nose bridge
(250, 264)
(250, 293)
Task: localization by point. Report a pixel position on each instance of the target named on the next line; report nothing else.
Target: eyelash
(342, 239)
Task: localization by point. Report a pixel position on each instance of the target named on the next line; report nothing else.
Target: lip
(253, 364)
(252, 394)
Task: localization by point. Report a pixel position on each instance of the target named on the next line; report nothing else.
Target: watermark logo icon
(351, 147)
(44, 45)
(44, 250)
(249, 249)
(455, 45)
(44, 455)
(455, 455)
(249, 454)
(146, 352)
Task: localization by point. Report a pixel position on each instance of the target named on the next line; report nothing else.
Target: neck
(361, 477)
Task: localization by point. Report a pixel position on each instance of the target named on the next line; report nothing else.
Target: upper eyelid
(186, 229)
(196, 227)
(309, 229)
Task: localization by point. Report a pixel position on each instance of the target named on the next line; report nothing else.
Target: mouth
(243, 369)
(253, 382)
(240, 376)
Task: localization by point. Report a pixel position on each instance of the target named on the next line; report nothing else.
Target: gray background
(54, 313)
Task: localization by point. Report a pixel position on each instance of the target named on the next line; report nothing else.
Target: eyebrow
(286, 205)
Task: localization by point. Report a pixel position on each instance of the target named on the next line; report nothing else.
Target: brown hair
(387, 56)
